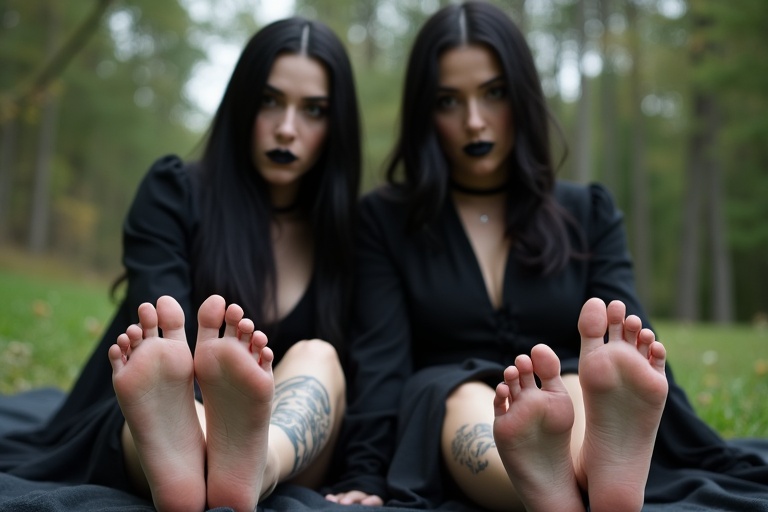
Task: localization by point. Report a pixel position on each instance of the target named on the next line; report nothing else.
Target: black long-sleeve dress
(425, 324)
(81, 442)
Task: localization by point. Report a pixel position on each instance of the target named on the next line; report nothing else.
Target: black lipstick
(478, 149)
(281, 156)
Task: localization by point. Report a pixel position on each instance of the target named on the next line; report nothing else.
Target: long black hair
(233, 248)
(535, 222)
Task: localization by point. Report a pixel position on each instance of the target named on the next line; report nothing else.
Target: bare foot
(235, 376)
(153, 380)
(532, 431)
(624, 389)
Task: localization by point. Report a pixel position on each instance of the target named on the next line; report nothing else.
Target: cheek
(507, 124)
(315, 139)
(446, 132)
(259, 134)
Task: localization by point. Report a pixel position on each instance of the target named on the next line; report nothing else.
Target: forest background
(664, 101)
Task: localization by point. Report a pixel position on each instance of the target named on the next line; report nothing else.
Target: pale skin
(257, 426)
(537, 448)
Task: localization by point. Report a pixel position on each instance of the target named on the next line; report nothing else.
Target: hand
(355, 497)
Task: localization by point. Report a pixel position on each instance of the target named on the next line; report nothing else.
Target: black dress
(425, 324)
(81, 442)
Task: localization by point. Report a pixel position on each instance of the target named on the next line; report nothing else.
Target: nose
(475, 121)
(286, 129)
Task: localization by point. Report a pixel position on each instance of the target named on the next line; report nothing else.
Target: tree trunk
(608, 108)
(39, 226)
(722, 278)
(8, 148)
(687, 308)
(583, 138)
(641, 235)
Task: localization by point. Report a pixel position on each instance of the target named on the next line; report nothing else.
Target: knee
(319, 360)
(319, 354)
(317, 351)
(468, 391)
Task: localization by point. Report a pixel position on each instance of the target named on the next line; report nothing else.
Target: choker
(478, 191)
(282, 210)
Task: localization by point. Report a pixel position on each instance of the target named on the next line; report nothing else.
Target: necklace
(478, 191)
(484, 218)
(280, 210)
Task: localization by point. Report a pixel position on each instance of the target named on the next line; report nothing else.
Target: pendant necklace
(484, 218)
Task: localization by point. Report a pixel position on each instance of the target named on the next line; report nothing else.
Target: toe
(616, 312)
(501, 399)
(245, 330)
(632, 327)
(171, 318)
(658, 355)
(210, 317)
(265, 359)
(546, 365)
(148, 320)
(593, 322)
(116, 358)
(644, 340)
(525, 367)
(232, 318)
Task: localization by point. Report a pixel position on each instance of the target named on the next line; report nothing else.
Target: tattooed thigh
(470, 446)
(302, 409)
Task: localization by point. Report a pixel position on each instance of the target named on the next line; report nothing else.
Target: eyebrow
(274, 90)
(483, 85)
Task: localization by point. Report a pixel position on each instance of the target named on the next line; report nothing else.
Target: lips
(281, 156)
(478, 149)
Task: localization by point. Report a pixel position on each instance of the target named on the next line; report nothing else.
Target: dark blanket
(688, 490)
(31, 409)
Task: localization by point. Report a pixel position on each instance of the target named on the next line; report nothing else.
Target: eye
(446, 102)
(497, 92)
(316, 111)
(267, 100)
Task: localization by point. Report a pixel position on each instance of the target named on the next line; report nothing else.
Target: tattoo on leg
(302, 409)
(470, 446)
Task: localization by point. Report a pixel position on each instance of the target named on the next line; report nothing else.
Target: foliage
(122, 102)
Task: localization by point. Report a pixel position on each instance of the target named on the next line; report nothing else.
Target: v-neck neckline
(478, 270)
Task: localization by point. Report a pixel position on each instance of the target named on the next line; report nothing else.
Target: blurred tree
(49, 103)
(642, 243)
(583, 171)
(676, 117)
(608, 102)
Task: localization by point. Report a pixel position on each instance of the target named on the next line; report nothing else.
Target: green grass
(724, 370)
(50, 320)
(49, 323)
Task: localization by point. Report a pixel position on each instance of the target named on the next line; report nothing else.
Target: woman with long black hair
(477, 266)
(265, 220)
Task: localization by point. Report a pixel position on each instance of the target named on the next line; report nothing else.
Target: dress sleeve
(379, 356)
(611, 274)
(157, 237)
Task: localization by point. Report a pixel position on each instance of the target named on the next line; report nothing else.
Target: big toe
(546, 364)
(593, 321)
(171, 318)
(210, 316)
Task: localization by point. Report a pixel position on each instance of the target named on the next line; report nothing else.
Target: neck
(498, 189)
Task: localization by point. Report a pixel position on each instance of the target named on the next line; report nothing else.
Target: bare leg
(153, 380)
(306, 414)
(235, 376)
(469, 450)
(624, 389)
(533, 433)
